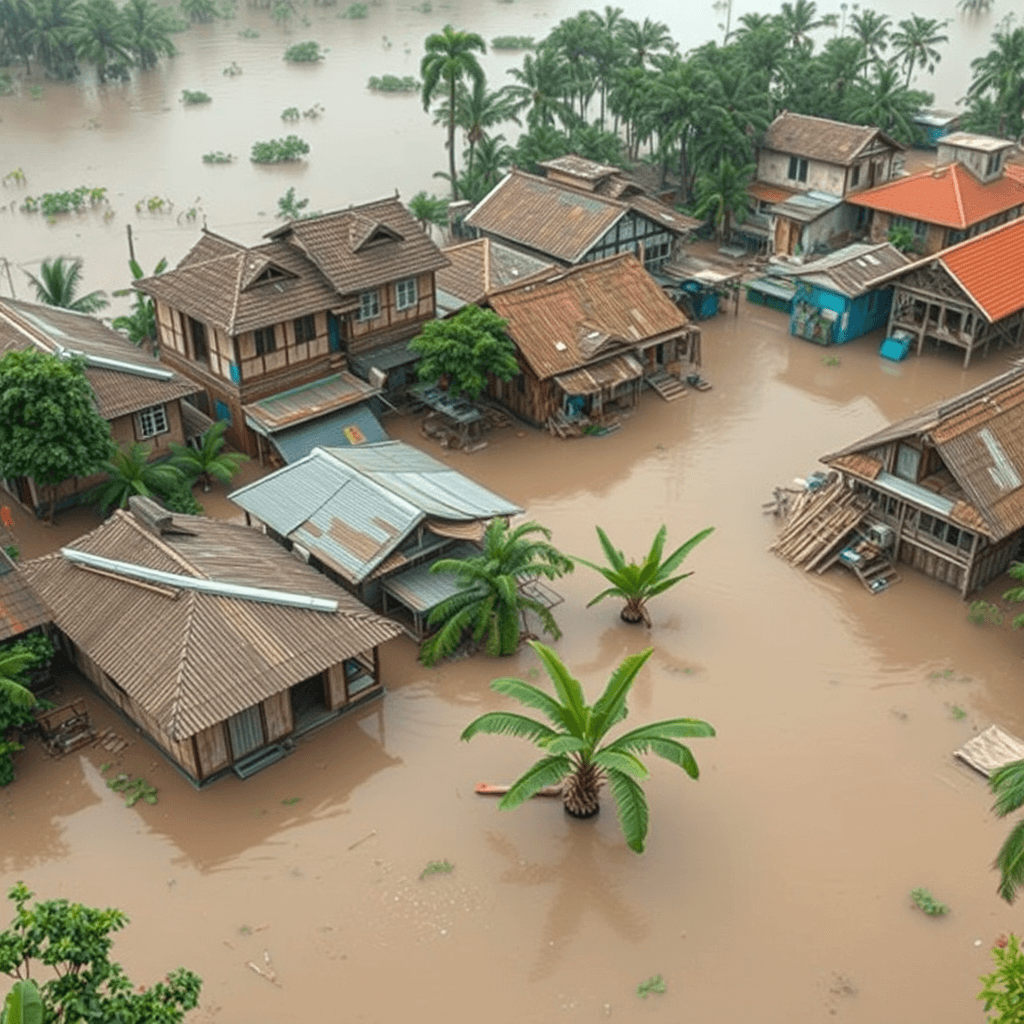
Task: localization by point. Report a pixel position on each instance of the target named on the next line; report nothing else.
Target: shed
(936, 124)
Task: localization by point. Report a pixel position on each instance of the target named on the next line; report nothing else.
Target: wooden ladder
(878, 575)
(670, 388)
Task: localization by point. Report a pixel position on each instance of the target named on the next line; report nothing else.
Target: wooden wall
(392, 324)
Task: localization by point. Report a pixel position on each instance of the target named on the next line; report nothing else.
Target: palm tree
(140, 324)
(198, 11)
(799, 19)
(149, 28)
(130, 472)
(915, 41)
(722, 194)
(13, 663)
(101, 37)
(637, 583)
(576, 753)
(642, 40)
(577, 41)
(58, 282)
(428, 209)
(491, 606)
(1000, 72)
(476, 110)
(449, 59)
(883, 100)
(50, 35)
(1007, 783)
(539, 90)
(17, 18)
(209, 461)
(872, 29)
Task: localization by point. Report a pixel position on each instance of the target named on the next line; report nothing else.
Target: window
(223, 411)
(994, 162)
(369, 305)
(655, 254)
(405, 293)
(908, 461)
(855, 176)
(797, 168)
(305, 328)
(199, 350)
(265, 340)
(152, 421)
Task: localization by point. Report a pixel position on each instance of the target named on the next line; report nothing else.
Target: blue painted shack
(844, 295)
(936, 125)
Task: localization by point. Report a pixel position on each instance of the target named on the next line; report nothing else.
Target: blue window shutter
(235, 375)
(223, 412)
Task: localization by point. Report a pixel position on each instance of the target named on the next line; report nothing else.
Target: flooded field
(773, 890)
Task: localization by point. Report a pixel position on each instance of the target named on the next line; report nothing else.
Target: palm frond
(622, 761)
(508, 723)
(616, 559)
(533, 697)
(609, 705)
(631, 805)
(670, 728)
(670, 750)
(549, 771)
(568, 688)
(565, 745)
(1007, 783)
(675, 559)
(1010, 862)
(610, 592)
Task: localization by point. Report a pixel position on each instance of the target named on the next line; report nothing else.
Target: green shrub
(190, 97)
(392, 83)
(52, 203)
(248, 33)
(7, 748)
(1005, 985)
(279, 151)
(304, 53)
(928, 903)
(512, 43)
(217, 156)
(291, 114)
(181, 499)
(355, 11)
(6, 84)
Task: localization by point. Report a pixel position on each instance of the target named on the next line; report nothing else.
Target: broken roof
(819, 138)
(190, 658)
(852, 270)
(478, 267)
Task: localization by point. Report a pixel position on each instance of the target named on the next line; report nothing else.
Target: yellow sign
(353, 434)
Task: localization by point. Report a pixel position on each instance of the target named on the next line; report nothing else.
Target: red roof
(988, 268)
(770, 193)
(950, 196)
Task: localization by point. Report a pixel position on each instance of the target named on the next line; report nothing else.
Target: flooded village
(251, 735)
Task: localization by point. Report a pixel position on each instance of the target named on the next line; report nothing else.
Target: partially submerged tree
(465, 349)
(49, 426)
(1007, 783)
(577, 754)
(57, 285)
(491, 608)
(209, 461)
(636, 583)
(73, 942)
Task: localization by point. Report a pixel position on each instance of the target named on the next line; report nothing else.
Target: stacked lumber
(818, 522)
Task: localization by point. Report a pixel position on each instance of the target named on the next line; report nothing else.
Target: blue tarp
(342, 429)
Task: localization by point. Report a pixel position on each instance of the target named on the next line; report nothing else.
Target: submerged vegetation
(218, 156)
(355, 11)
(49, 204)
(278, 151)
(512, 43)
(190, 97)
(304, 53)
(393, 83)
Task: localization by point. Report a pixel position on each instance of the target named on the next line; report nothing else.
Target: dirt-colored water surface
(774, 890)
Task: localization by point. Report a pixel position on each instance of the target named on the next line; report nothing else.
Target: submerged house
(140, 399)
(948, 483)
(215, 641)
(333, 300)
(590, 338)
(579, 212)
(373, 519)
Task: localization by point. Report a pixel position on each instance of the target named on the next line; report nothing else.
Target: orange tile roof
(770, 193)
(950, 196)
(988, 269)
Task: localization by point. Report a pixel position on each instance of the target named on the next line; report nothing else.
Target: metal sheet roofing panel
(345, 427)
(420, 589)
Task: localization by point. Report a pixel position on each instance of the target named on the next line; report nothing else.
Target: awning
(308, 402)
(473, 530)
(344, 428)
(770, 193)
(589, 380)
(385, 358)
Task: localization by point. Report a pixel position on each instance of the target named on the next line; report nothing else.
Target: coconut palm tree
(799, 19)
(428, 210)
(199, 11)
(1007, 783)
(914, 43)
(577, 754)
(58, 282)
(52, 25)
(101, 37)
(872, 29)
(149, 32)
(140, 324)
(130, 472)
(477, 109)
(17, 18)
(722, 194)
(492, 605)
(450, 58)
(641, 40)
(209, 461)
(999, 75)
(636, 583)
(880, 98)
(539, 90)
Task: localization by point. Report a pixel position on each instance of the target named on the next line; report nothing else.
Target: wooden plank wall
(337, 694)
(212, 750)
(277, 713)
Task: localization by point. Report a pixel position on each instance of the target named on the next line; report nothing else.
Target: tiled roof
(20, 607)
(118, 392)
(575, 317)
(854, 269)
(988, 268)
(950, 196)
(193, 659)
(478, 267)
(818, 138)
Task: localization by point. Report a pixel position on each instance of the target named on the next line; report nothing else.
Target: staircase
(670, 388)
(878, 574)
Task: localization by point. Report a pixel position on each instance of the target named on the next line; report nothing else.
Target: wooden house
(970, 296)
(838, 297)
(970, 192)
(479, 267)
(140, 399)
(948, 483)
(590, 338)
(374, 518)
(334, 299)
(579, 212)
(211, 638)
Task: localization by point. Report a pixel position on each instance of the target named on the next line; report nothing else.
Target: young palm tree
(130, 472)
(722, 194)
(491, 606)
(428, 209)
(58, 282)
(637, 583)
(13, 663)
(101, 37)
(1007, 783)
(149, 32)
(449, 59)
(915, 41)
(209, 461)
(577, 753)
(140, 324)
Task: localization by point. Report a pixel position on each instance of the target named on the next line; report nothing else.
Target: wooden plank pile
(110, 741)
(818, 522)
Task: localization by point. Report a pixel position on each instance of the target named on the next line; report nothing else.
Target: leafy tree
(130, 472)
(915, 43)
(290, 207)
(74, 943)
(58, 283)
(998, 76)
(209, 461)
(101, 37)
(902, 238)
(722, 195)
(148, 29)
(53, 22)
(465, 348)
(1007, 783)
(49, 427)
(1004, 987)
(140, 324)
(636, 583)
(449, 59)
(428, 209)
(491, 607)
(576, 754)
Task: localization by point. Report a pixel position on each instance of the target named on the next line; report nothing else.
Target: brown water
(773, 890)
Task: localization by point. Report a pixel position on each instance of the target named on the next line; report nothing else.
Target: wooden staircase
(878, 574)
(670, 388)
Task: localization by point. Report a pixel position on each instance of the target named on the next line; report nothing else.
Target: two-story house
(806, 167)
(579, 212)
(332, 300)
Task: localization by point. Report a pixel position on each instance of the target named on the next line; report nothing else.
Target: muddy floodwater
(773, 890)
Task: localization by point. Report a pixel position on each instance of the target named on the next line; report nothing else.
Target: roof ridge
(236, 297)
(159, 544)
(958, 194)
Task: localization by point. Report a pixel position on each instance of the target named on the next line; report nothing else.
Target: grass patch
(984, 613)
(655, 985)
(191, 97)
(248, 33)
(218, 156)
(437, 867)
(957, 712)
(928, 903)
(512, 43)
(830, 360)
(393, 83)
(279, 151)
(15, 177)
(291, 801)
(304, 53)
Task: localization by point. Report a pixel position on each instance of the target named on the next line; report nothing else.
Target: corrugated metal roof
(598, 376)
(420, 589)
(805, 207)
(191, 659)
(351, 426)
(818, 138)
(854, 269)
(310, 401)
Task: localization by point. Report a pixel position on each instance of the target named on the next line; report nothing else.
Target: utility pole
(131, 244)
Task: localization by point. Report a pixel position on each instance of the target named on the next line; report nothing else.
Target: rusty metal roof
(193, 659)
(854, 269)
(353, 507)
(590, 379)
(819, 138)
(289, 408)
(585, 314)
(142, 382)
(478, 267)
